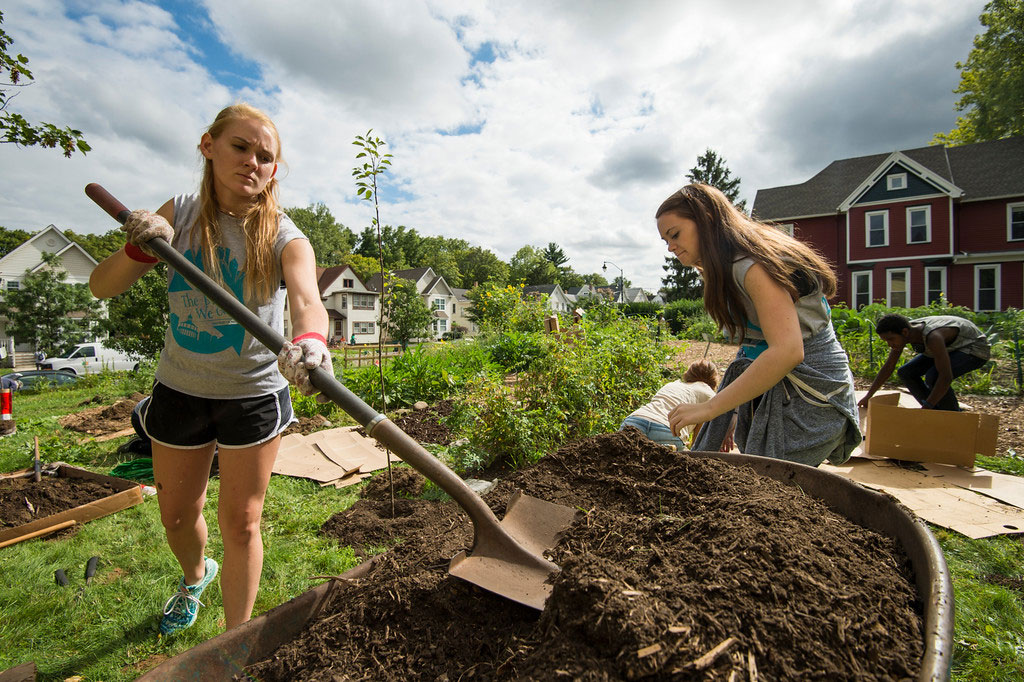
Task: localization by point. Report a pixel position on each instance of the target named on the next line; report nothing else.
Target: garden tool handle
(36, 467)
(376, 425)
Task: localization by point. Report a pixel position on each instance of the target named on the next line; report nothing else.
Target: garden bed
(681, 567)
(74, 494)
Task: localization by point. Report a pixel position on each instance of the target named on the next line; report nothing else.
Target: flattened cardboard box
(927, 435)
(129, 495)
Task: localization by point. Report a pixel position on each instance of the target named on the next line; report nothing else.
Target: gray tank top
(206, 353)
(812, 310)
(969, 338)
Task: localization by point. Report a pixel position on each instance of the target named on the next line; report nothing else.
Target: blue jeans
(923, 366)
(659, 433)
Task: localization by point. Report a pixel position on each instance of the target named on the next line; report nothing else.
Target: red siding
(987, 231)
(898, 247)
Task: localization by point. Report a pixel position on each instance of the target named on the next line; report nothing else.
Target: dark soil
(424, 426)
(102, 420)
(673, 556)
(49, 496)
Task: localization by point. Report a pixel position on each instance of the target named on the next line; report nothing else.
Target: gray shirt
(206, 353)
(968, 339)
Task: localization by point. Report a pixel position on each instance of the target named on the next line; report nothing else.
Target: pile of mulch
(51, 495)
(680, 568)
(102, 420)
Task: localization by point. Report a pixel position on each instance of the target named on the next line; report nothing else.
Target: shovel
(506, 557)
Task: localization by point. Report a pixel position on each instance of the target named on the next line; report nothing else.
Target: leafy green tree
(11, 239)
(529, 266)
(992, 79)
(681, 282)
(362, 265)
(596, 278)
(478, 265)
(567, 277)
(402, 246)
(137, 319)
(14, 128)
(331, 241)
(441, 254)
(99, 246)
(47, 312)
(409, 316)
(555, 255)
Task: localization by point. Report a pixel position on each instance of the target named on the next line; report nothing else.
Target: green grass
(110, 632)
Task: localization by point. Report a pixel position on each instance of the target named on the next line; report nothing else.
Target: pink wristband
(137, 254)
(311, 335)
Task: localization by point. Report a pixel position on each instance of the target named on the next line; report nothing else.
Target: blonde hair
(725, 234)
(259, 224)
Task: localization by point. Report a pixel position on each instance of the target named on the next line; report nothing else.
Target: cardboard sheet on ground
(936, 499)
(338, 457)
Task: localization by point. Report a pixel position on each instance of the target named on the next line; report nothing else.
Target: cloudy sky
(511, 122)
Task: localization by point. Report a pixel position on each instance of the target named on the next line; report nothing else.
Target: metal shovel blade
(520, 576)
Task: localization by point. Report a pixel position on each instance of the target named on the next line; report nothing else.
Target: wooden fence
(362, 355)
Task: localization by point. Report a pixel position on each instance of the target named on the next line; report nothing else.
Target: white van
(91, 358)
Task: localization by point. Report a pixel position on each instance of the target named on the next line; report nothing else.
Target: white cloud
(591, 114)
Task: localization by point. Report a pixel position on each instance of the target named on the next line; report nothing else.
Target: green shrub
(642, 309)
(429, 372)
(516, 351)
(587, 383)
(679, 314)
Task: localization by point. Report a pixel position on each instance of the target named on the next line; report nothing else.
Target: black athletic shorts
(179, 420)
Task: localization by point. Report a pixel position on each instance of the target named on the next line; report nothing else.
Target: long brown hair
(259, 224)
(725, 235)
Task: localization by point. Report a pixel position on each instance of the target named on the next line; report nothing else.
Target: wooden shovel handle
(42, 531)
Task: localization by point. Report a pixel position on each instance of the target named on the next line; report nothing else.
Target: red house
(906, 227)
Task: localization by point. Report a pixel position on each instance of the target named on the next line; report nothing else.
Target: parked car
(91, 358)
(37, 378)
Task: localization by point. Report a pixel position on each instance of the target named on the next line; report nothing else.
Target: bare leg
(181, 477)
(244, 476)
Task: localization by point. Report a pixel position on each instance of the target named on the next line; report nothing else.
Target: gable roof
(21, 258)
(325, 277)
(982, 170)
(415, 274)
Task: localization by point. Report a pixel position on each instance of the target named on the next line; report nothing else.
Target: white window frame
(364, 302)
(853, 294)
(927, 223)
(888, 286)
(942, 288)
(896, 181)
(997, 268)
(13, 285)
(867, 228)
(438, 304)
(363, 327)
(1018, 205)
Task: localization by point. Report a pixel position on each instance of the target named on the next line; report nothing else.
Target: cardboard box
(927, 435)
(129, 494)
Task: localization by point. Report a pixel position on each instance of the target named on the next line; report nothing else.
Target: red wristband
(137, 254)
(310, 335)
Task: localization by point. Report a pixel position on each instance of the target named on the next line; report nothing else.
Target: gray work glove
(298, 357)
(143, 225)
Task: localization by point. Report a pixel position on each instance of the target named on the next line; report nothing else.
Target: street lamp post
(622, 279)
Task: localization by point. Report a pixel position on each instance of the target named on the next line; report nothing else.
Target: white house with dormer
(439, 297)
(28, 258)
(353, 308)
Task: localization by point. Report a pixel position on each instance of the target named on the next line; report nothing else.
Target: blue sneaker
(181, 609)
